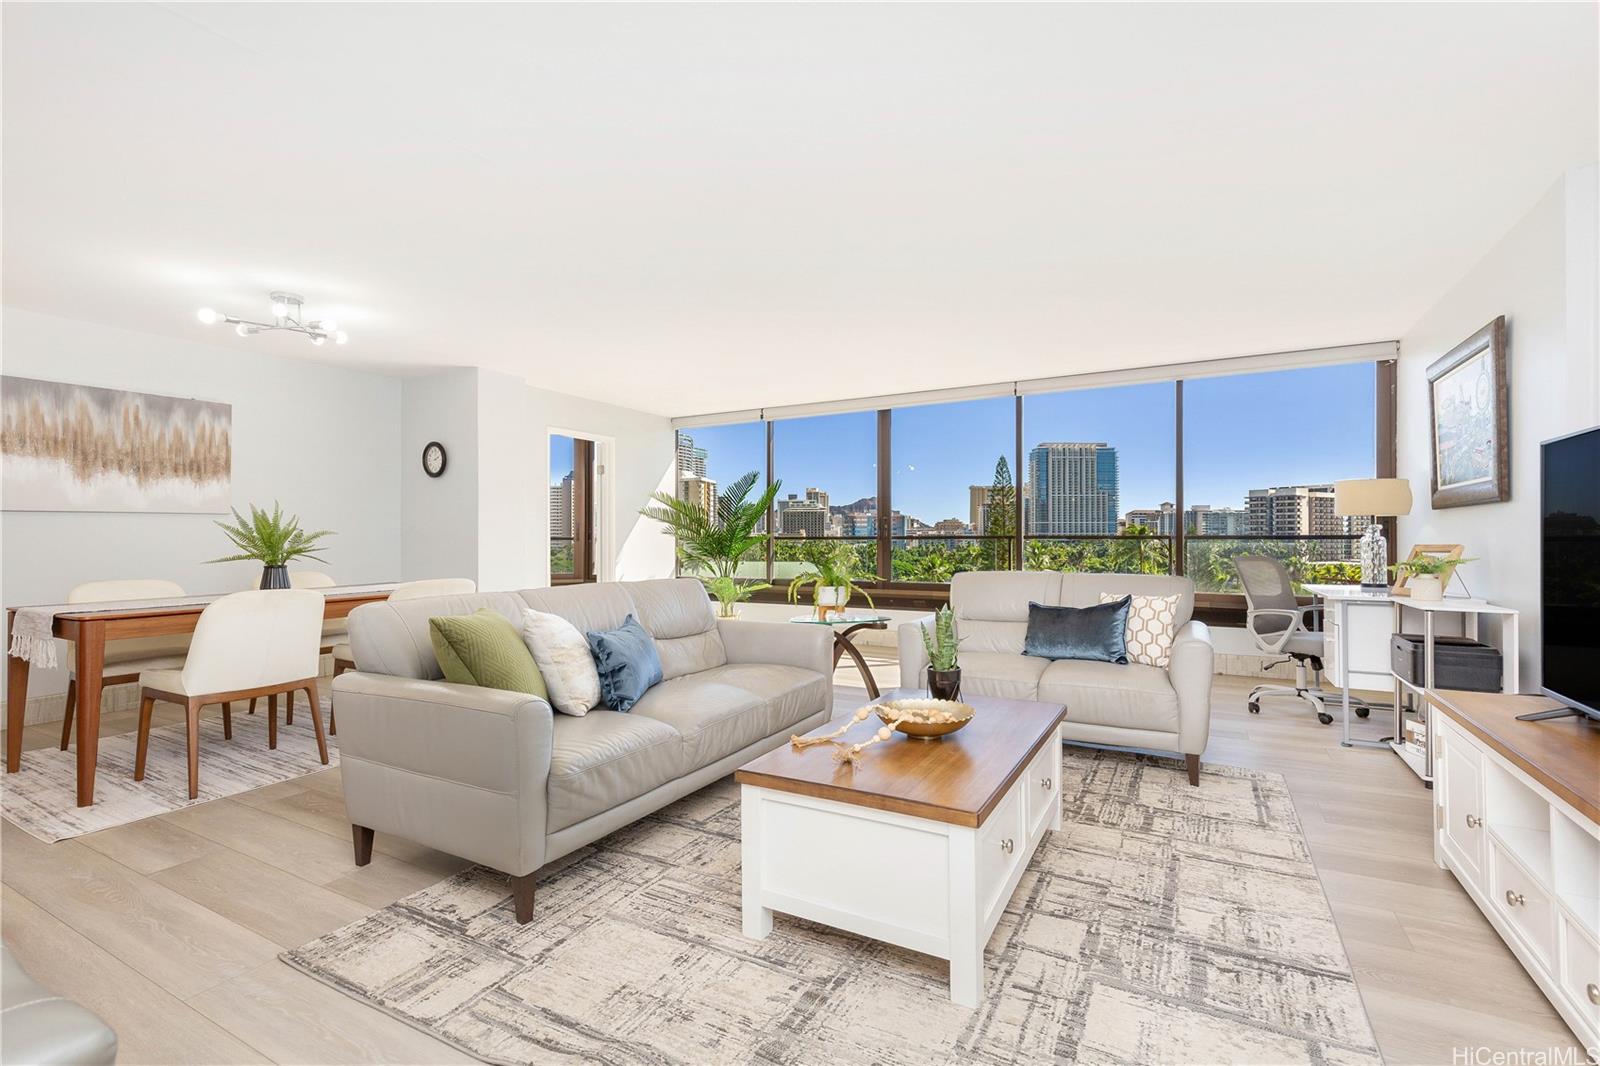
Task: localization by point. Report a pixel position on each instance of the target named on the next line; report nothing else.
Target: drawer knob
(1515, 899)
(1593, 992)
(1473, 821)
(1006, 845)
(1044, 783)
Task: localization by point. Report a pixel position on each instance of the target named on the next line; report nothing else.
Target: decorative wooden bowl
(926, 719)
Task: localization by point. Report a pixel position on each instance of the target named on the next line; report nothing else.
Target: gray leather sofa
(37, 1026)
(499, 778)
(1132, 705)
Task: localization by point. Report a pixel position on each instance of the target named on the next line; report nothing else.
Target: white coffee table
(921, 844)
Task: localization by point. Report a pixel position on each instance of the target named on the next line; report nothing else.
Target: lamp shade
(1381, 497)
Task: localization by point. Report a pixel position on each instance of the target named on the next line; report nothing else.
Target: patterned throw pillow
(1152, 623)
(484, 649)
(564, 660)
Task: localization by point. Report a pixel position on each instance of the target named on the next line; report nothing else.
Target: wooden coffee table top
(957, 779)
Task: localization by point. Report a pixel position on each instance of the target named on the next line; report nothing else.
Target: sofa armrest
(913, 656)
(778, 643)
(456, 767)
(1190, 672)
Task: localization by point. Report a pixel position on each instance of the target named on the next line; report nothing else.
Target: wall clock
(433, 458)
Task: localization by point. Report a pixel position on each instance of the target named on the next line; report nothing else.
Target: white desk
(1356, 639)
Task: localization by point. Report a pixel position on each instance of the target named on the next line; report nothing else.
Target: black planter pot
(275, 577)
(944, 684)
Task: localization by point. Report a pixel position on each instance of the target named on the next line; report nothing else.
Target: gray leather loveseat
(499, 778)
(1133, 705)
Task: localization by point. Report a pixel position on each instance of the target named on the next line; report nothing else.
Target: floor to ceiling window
(572, 509)
(827, 470)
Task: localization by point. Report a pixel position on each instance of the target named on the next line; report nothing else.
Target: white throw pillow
(1152, 623)
(562, 654)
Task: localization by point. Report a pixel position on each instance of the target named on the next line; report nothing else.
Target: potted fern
(713, 542)
(833, 580)
(944, 672)
(271, 540)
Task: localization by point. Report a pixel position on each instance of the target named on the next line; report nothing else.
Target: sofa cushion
(562, 654)
(721, 710)
(991, 609)
(1084, 589)
(604, 759)
(1098, 632)
(1126, 696)
(392, 637)
(591, 607)
(484, 649)
(678, 614)
(627, 663)
(995, 673)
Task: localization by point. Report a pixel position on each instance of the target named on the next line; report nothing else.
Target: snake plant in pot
(712, 542)
(272, 540)
(944, 672)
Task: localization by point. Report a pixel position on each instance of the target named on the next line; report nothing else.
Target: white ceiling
(686, 209)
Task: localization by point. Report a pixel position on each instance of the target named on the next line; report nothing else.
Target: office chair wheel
(1362, 712)
(1324, 717)
(1255, 707)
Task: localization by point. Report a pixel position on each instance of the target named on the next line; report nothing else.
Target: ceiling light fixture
(285, 315)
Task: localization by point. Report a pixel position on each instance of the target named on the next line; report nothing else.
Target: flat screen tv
(1569, 562)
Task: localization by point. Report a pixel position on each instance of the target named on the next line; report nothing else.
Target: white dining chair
(344, 659)
(249, 644)
(124, 658)
(332, 632)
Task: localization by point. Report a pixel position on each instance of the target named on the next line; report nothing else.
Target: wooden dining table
(89, 628)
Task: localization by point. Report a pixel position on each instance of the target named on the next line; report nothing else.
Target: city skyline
(941, 451)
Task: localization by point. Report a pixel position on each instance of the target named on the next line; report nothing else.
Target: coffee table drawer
(1001, 846)
(1518, 898)
(1040, 783)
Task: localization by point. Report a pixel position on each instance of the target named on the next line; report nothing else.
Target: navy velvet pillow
(1098, 633)
(627, 662)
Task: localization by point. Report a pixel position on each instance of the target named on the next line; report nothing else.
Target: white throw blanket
(31, 629)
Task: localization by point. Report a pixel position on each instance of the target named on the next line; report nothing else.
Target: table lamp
(1378, 497)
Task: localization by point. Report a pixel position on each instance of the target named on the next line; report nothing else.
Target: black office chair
(1280, 626)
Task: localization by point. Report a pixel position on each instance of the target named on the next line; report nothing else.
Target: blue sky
(1241, 432)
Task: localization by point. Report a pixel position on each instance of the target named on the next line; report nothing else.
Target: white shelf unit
(1530, 862)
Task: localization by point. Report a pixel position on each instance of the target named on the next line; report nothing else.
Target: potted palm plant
(944, 672)
(273, 541)
(832, 580)
(712, 542)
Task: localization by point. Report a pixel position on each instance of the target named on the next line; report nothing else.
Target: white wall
(324, 441)
(438, 536)
(1542, 277)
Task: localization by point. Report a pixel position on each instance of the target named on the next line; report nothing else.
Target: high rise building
(1072, 488)
(802, 519)
(1161, 520)
(691, 460)
(561, 508)
(1210, 521)
(1294, 511)
(700, 491)
(978, 507)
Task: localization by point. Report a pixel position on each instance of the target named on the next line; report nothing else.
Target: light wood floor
(170, 928)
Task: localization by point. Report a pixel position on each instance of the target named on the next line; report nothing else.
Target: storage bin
(1458, 662)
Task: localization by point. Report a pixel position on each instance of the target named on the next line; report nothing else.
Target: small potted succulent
(944, 672)
(833, 580)
(272, 540)
(1426, 575)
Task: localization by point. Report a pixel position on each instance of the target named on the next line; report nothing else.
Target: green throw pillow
(484, 649)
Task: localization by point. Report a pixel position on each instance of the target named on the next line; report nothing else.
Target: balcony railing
(1323, 558)
(562, 558)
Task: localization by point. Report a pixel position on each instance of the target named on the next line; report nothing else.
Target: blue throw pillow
(1098, 633)
(627, 662)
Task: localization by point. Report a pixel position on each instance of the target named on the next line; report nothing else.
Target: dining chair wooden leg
(146, 706)
(272, 721)
(252, 705)
(227, 721)
(72, 709)
(333, 725)
(193, 722)
(316, 720)
(288, 714)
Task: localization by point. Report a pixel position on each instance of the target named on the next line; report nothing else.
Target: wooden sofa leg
(522, 898)
(362, 838)
(1193, 762)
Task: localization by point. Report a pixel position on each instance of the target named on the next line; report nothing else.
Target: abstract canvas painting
(81, 448)
(1468, 408)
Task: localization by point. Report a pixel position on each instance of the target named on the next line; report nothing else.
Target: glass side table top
(846, 620)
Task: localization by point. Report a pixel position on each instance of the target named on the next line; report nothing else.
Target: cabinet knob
(1515, 899)
(1006, 845)
(1044, 783)
(1593, 992)
(1473, 821)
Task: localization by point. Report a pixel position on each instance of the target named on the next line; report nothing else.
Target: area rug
(42, 796)
(1164, 923)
